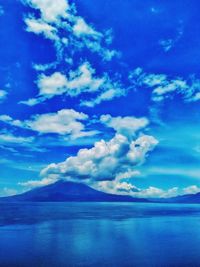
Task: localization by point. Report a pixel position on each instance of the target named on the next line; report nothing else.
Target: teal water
(99, 234)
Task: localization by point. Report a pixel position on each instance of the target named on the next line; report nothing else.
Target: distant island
(64, 191)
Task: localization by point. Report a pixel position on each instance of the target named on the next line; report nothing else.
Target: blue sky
(106, 94)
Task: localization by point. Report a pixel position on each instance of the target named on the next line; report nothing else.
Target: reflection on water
(99, 234)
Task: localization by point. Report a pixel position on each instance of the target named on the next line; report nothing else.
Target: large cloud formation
(106, 160)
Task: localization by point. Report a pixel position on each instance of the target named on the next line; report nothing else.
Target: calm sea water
(99, 234)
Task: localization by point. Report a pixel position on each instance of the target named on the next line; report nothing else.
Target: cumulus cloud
(124, 125)
(127, 188)
(115, 187)
(63, 122)
(105, 160)
(120, 186)
(66, 121)
(154, 192)
(114, 160)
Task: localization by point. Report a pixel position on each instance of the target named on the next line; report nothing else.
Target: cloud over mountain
(105, 160)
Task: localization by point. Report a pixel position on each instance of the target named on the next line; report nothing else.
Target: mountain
(190, 198)
(62, 191)
(187, 199)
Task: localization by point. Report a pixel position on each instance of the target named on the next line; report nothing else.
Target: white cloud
(81, 28)
(7, 119)
(196, 97)
(105, 160)
(115, 187)
(37, 183)
(82, 80)
(127, 174)
(9, 138)
(58, 19)
(32, 101)
(66, 121)
(112, 160)
(171, 86)
(79, 81)
(51, 11)
(44, 67)
(122, 187)
(52, 85)
(124, 125)
(112, 92)
(163, 86)
(38, 26)
(63, 122)
(154, 192)
(15, 142)
(152, 80)
(193, 189)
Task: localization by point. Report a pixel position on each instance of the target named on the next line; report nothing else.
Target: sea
(99, 234)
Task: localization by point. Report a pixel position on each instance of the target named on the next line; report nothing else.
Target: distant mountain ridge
(189, 198)
(63, 191)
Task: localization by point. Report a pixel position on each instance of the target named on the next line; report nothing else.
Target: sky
(105, 94)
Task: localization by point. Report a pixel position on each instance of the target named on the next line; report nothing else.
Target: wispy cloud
(82, 80)
(164, 86)
(58, 20)
(168, 44)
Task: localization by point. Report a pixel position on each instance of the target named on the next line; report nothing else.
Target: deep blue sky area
(118, 78)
